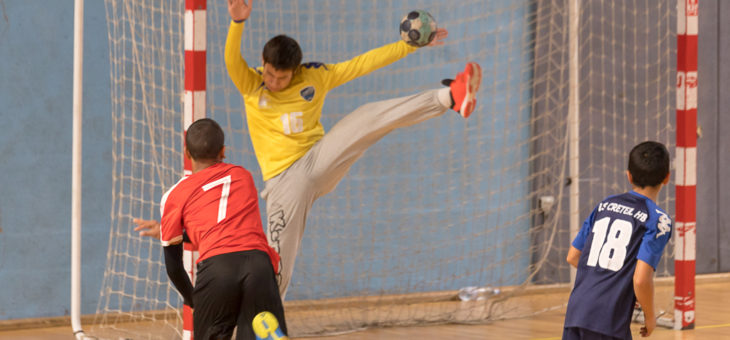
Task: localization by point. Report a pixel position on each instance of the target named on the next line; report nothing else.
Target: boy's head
(649, 164)
(204, 140)
(282, 56)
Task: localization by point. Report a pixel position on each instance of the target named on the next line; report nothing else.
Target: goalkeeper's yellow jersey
(284, 125)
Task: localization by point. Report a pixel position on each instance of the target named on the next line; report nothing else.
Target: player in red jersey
(217, 208)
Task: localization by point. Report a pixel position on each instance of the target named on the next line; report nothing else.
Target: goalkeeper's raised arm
(375, 59)
(245, 78)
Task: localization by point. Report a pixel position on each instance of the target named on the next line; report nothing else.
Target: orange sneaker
(464, 89)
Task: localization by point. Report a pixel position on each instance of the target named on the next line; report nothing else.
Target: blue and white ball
(418, 28)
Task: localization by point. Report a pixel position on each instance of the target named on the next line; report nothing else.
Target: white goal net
(429, 209)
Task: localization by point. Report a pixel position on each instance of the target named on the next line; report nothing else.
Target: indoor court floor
(712, 308)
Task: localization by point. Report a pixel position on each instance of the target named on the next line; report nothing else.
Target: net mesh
(429, 209)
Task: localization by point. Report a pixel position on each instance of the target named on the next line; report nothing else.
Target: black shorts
(230, 289)
(577, 333)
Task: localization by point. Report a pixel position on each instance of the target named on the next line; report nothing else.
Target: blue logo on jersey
(307, 93)
(315, 64)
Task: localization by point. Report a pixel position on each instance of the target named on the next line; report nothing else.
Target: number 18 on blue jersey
(621, 230)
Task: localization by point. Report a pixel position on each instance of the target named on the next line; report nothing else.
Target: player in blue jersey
(617, 251)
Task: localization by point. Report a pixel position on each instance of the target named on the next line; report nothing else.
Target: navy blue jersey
(621, 230)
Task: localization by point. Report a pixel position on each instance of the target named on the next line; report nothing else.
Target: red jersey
(218, 208)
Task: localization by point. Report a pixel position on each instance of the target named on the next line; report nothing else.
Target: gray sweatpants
(290, 194)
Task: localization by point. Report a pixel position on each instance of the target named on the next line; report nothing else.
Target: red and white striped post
(195, 49)
(686, 165)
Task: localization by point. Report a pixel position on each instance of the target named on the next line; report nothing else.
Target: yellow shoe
(266, 327)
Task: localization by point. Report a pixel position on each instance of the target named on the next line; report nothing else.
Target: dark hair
(204, 139)
(283, 53)
(648, 164)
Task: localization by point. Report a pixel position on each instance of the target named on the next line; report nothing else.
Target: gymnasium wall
(713, 141)
(36, 74)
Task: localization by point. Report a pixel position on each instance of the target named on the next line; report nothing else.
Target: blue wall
(36, 50)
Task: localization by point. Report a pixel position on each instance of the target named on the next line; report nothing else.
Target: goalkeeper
(283, 101)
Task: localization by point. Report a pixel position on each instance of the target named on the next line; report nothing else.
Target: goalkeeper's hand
(441, 34)
(239, 9)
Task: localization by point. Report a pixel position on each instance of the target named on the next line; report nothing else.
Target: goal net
(429, 209)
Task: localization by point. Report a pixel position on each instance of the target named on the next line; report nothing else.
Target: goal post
(78, 77)
(686, 164)
(195, 108)
(429, 209)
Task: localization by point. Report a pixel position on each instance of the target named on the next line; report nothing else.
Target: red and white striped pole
(686, 165)
(195, 49)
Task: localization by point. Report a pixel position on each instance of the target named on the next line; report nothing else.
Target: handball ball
(418, 28)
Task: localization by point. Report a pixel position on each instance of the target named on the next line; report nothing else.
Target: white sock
(444, 96)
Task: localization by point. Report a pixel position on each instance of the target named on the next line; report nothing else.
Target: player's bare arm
(239, 10)
(147, 228)
(573, 256)
(644, 290)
